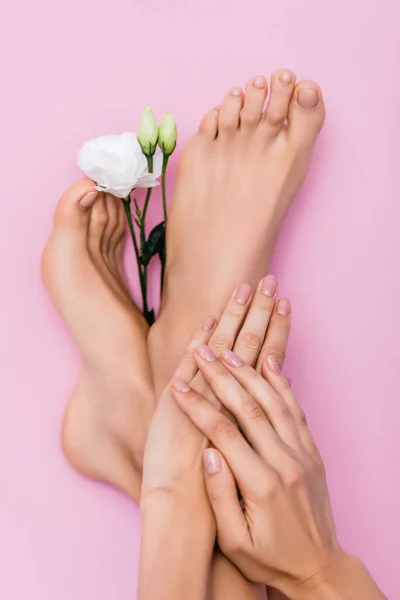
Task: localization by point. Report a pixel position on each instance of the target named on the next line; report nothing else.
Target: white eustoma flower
(116, 164)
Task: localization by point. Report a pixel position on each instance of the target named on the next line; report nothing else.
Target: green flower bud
(167, 134)
(148, 131)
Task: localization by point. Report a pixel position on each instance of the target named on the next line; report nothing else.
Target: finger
(246, 466)
(232, 529)
(225, 334)
(282, 387)
(269, 401)
(247, 410)
(231, 319)
(277, 335)
(252, 335)
(187, 367)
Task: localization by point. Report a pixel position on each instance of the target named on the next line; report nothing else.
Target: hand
(174, 448)
(285, 533)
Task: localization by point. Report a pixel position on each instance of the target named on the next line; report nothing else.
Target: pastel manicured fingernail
(307, 98)
(206, 353)
(272, 364)
(231, 358)
(180, 385)
(286, 77)
(283, 308)
(212, 461)
(259, 82)
(88, 199)
(242, 294)
(236, 91)
(208, 324)
(269, 285)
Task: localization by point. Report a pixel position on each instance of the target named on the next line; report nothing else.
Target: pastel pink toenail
(259, 83)
(206, 353)
(242, 293)
(307, 98)
(88, 199)
(286, 77)
(231, 358)
(269, 285)
(208, 324)
(236, 91)
(283, 307)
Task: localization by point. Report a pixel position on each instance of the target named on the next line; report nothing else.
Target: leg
(236, 181)
(82, 271)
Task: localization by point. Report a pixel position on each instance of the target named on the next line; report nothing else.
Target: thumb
(222, 493)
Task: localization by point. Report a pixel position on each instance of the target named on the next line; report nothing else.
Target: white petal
(147, 181)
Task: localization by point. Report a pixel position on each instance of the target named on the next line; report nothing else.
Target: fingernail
(283, 307)
(88, 199)
(286, 77)
(242, 294)
(208, 324)
(272, 364)
(259, 82)
(236, 91)
(231, 358)
(307, 98)
(212, 461)
(269, 285)
(206, 353)
(180, 385)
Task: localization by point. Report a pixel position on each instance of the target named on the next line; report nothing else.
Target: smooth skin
(106, 423)
(282, 531)
(173, 484)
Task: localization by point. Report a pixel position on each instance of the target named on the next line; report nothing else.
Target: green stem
(127, 202)
(163, 186)
(149, 315)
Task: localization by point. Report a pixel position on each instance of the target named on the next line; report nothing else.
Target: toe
(72, 208)
(111, 226)
(97, 225)
(306, 111)
(282, 85)
(256, 92)
(229, 111)
(209, 124)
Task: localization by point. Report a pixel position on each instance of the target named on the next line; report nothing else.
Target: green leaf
(155, 244)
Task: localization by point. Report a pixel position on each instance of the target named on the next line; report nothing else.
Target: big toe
(73, 208)
(306, 112)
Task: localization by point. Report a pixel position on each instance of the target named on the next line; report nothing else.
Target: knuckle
(281, 410)
(267, 486)
(278, 353)
(218, 343)
(301, 417)
(252, 410)
(251, 341)
(231, 546)
(223, 427)
(295, 475)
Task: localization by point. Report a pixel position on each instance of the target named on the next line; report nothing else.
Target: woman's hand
(282, 532)
(253, 327)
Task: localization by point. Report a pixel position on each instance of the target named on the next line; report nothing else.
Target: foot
(82, 271)
(237, 178)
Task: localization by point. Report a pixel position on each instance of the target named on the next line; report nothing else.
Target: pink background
(72, 69)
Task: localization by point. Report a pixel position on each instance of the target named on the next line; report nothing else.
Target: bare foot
(82, 271)
(237, 178)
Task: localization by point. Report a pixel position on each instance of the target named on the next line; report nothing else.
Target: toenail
(88, 199)
(242, 294)
(307, 98)
(236, 91)
(286, 77)
(259, 82)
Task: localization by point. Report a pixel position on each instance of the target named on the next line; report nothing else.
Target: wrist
(343, 577)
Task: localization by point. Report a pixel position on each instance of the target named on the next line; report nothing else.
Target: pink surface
(75, 69)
